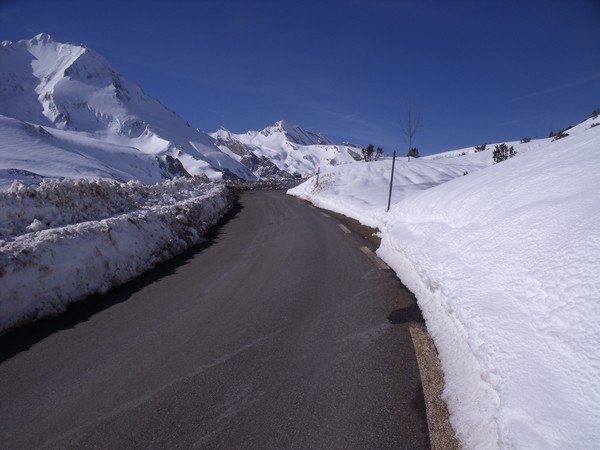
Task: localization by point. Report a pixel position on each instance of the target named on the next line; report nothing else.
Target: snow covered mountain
(65, 112)
(77, 100)
(284, 150)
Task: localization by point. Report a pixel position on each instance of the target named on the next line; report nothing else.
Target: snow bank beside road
(55, 203)
(104, 234)
(505, 265)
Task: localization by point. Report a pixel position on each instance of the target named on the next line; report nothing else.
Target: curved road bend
(276, 335)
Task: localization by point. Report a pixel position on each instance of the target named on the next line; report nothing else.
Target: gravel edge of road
(441, 433)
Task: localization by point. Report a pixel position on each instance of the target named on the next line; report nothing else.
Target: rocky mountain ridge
(284, 150)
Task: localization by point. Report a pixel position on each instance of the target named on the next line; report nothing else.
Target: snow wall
(83, 237)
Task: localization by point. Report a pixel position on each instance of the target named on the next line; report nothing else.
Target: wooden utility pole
(391, 181)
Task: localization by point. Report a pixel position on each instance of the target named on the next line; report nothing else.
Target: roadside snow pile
(55, 203)
(505, 265)
(102, 234)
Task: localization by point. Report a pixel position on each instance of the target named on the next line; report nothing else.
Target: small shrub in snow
(559, 135)
(480, 148)
(525, 140)
(503, 152)
(369, 152)
(595, 124)
(595, 113)
(414, 152)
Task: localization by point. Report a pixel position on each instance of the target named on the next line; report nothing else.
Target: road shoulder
(442, 435)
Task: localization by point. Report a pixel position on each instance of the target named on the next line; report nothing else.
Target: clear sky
(474, 70)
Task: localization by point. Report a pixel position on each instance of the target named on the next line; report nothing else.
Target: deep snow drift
(505, 264)
(63, 240)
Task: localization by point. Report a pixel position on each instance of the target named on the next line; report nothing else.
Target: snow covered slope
(32, 152)
(291, 149)
(505, 264)
(71, 88)
(361, 190)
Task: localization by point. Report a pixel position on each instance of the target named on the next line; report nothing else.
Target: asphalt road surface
(279, 332)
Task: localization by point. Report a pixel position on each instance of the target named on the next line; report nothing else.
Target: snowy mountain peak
(223, 133)
(282, 125)
(283, 150)
(37, 39)
(295, 134)
(41, 38)
(72, 88)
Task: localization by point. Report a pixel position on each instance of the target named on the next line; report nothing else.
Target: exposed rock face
(261, 166)
(173, 167)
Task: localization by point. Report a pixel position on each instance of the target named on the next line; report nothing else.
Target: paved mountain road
(273, 335)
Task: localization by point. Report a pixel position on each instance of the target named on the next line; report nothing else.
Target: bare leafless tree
(410, 126)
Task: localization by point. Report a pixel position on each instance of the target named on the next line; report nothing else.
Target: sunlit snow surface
(505, 264)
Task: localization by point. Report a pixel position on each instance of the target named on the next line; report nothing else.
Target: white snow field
(63, 240)
(505, 265)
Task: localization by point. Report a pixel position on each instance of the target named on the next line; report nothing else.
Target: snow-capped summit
(35, 75)
(72, 88)
(291, 149)
(295, 134)
(42, 37)
(283, 132)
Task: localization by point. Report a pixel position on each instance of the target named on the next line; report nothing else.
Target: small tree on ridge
(503, 152)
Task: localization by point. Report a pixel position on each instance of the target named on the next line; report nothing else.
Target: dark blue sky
(475, 70)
